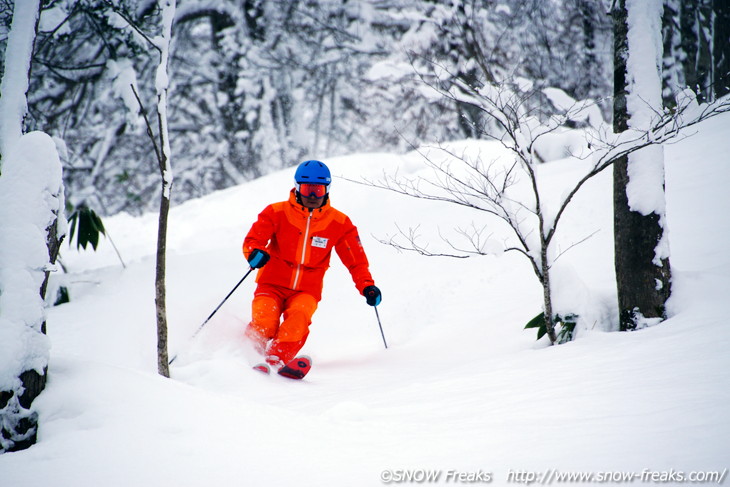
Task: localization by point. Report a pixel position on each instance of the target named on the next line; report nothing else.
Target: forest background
(256, 86)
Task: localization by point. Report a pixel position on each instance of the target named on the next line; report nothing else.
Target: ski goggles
(309, 190)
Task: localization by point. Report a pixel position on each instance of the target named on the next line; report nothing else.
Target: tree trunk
(163, 367)
(547, 296)
(697, 27)
(586, 9)
(673, 79)
(53, 242)
(721, 45)
(643, 286)
(163, 155)
(642, 278)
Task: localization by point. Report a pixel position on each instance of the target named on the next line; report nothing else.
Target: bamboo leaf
(86, 225)
(539, 323)
(536, 322)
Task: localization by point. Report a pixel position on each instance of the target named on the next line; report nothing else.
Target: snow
(31, 170)
(462, 387)
(162, 82)
(124, 85)
(54, 19)
(645, 187)
(644, 104)
(584, 111)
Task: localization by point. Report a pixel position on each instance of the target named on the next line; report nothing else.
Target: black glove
(372, 295)
(258, 258)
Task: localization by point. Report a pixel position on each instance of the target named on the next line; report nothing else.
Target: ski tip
(263, 368)
(297, 368)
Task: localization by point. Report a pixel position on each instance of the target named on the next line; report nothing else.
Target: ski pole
(215, 310)
(377, 315)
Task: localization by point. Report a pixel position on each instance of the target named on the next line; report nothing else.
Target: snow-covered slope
(462, 386)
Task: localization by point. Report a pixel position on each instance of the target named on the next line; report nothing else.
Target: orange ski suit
(299, 241)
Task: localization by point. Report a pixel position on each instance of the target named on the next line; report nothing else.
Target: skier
(291, 244)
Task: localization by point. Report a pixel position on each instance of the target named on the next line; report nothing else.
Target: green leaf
(97, 223)
(62, 296)
(539, 323)
(536, 322)
(86, 225)
(542, 331)
(567, 327)
(566, 332)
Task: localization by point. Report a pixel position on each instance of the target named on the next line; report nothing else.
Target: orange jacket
(300, 243)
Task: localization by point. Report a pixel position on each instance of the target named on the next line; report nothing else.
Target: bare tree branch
(487, 187)
(133, 25)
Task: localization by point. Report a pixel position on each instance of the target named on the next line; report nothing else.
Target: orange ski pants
(279, 341)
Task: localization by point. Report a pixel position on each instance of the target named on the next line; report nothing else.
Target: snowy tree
(164, 155)
(32, 223)
(508, 190)
(689, 27)
(643, 271)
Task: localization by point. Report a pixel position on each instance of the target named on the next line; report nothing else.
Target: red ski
(297, 368)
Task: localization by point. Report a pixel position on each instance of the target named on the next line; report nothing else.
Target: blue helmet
(313, 172)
